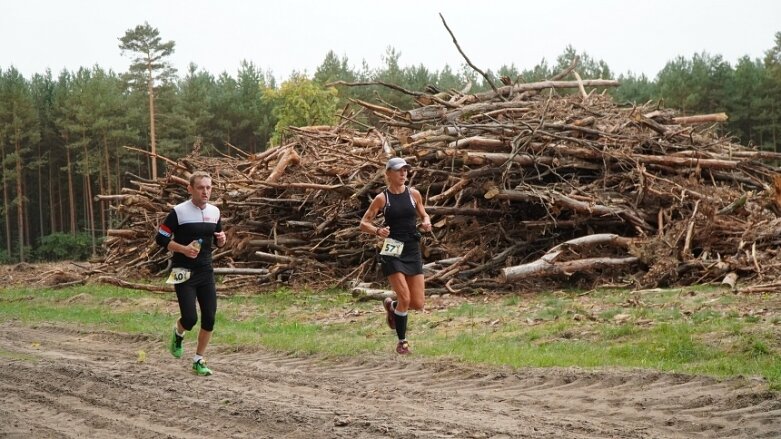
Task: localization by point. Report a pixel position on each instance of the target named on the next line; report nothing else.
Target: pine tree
(148, 67)
(20, 125)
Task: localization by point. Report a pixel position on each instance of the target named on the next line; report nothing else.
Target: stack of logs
(527, 186)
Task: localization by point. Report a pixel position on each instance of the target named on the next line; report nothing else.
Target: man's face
(200, 190)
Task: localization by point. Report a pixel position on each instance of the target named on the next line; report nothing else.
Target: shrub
(60, 246)
(5, 258)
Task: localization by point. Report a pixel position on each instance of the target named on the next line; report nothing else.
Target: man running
(189, 231)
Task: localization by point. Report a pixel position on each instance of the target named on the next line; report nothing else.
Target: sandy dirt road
(61, 382)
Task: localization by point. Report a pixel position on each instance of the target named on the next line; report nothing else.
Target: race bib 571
(392, 247)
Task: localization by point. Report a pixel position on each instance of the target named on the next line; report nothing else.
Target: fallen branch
(547, 265)
(136, 286)
(701, 118)
(364, 294)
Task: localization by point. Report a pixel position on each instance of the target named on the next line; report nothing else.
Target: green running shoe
(199, 367)
(175, 347)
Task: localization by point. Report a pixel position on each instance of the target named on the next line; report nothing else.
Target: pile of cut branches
(526, 184)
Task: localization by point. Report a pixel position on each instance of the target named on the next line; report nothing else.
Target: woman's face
(397, 177)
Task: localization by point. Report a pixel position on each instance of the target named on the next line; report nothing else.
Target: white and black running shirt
(186, 223)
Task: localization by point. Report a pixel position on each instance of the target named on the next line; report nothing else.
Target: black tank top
(400, 215)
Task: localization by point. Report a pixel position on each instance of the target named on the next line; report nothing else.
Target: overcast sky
(287, 35)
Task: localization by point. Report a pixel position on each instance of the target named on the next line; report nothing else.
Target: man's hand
(220, 238)
(192, 250)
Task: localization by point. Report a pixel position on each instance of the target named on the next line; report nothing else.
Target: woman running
(401, 259)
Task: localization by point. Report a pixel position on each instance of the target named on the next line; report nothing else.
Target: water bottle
(197, 244)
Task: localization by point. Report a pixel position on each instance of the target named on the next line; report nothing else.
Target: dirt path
(61, 382)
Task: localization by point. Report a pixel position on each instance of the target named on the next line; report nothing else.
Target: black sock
(401, 325)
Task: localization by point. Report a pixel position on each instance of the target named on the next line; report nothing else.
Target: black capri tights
(199, 287)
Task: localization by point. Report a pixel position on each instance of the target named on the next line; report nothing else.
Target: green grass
(694, 330)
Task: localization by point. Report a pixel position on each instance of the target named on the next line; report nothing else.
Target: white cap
(397, 163)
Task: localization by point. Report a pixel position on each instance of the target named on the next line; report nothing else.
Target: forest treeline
(65, 138)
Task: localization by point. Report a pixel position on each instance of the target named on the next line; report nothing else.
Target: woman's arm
(421, 209)
(367, 225)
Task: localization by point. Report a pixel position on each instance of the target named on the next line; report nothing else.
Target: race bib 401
(178, 275)
(392, 247)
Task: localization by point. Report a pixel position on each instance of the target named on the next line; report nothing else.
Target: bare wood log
(270, 257)
(762, 288)
(666, 114)
(363, 141)
(731, 279)
(364, 294)
(754, 258)
(425, 113)
(453, 269)
(701, 118)
(572, 204)
(163, 289)
(379, 175)
(123, 233)
(542, 85)
(685, 161)
(314, 186)
(650, 123)
(548, 265)
(478, 142)
(178, 180)
(541, 268)
(494, 262)
(442, 262)
(665, 160)
(751, 155)
(447, 131)
(262, 156)
(377, 109)
(510, 112)
(582, 90)
(451, 191)
(465, 211)
(495, 158)
(232, 270)
(279, 241)
(100, 197)
(731, 207)
(70, 284)
(689, 230)
(218, 255)
(306, 224)
(315, 128)
(290, 157)
(145, 287)
(482, 108)
(265, 201)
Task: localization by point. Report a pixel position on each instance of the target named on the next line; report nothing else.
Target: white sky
(287, 35)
